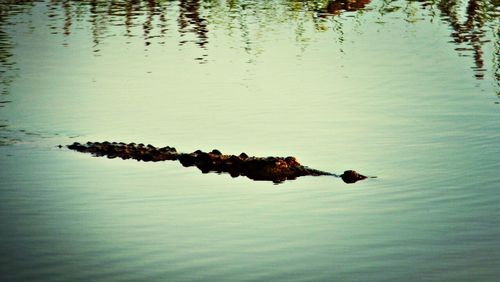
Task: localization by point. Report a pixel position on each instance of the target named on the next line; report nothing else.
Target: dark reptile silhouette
(276, 169)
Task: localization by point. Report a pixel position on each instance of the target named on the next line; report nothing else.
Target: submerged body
(276, 169)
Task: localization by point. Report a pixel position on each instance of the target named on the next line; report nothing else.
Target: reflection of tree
(189, 16)
(251, 20)
(7, 65)
(8, 68)
(68, 19)
(337, 6)
(331, 9)
(6, 71)
(471, 32)
(132, 14)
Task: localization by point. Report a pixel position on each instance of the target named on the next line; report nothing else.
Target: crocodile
(275, 169)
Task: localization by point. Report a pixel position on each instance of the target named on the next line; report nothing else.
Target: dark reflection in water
(191, 21)
(195, 18)
(7, 65)
(469, 34)
(338, 6)
(470, 22)
(8, 68)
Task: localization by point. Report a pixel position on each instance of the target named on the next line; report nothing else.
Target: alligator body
(276, 169)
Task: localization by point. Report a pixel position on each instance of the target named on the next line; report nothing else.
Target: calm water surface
(405, 90)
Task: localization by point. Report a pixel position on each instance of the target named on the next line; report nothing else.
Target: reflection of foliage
(469, 35)
(337, 6)
(469, 21)
(252, 20)
(7, 65)
(189, 15)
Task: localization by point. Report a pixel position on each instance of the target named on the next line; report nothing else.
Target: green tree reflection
(469, 21)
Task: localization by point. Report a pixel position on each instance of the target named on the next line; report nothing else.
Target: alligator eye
(216, 152)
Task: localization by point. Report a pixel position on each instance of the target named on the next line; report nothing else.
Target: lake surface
(404, 90)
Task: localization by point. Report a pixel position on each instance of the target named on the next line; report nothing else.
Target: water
(405, 90)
